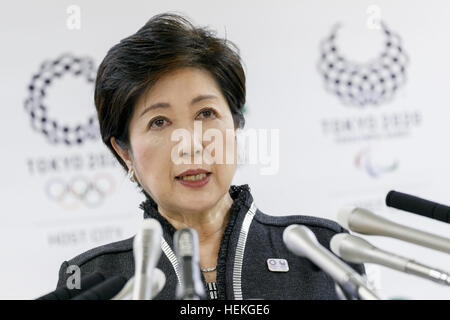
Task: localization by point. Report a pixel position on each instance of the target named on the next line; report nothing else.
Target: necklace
(210, 269)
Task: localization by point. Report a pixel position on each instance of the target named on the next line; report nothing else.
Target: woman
(171, 80)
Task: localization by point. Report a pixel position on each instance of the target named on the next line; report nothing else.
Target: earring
(131, 175)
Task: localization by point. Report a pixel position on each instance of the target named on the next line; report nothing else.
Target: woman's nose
(193, 145)
(196, 148)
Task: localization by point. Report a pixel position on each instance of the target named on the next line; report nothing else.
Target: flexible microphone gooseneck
(105, 290)
(64, 293)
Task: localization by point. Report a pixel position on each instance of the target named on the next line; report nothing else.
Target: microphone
(159, 280)
(187, 252)
(301, 241)
(357, 250)
(365, 222)
(418, 206)
(105, 290)
(64, 293)
(147, 251)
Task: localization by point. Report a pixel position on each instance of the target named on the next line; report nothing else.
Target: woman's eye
(157, 123)
(207, 113)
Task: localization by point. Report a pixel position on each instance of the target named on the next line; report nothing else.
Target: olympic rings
(80, 190)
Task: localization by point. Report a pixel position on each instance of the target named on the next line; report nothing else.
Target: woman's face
(169, 138)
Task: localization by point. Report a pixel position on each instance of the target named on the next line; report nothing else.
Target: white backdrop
(331, 153)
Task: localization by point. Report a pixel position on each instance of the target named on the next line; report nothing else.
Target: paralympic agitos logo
(360, 84)
(374, 166)
(35, 104)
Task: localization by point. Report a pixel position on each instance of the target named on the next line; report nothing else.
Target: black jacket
(250, 239)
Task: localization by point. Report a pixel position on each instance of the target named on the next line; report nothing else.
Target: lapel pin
(277, 265)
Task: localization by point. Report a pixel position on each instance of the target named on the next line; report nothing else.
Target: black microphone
(418, 206)
(186, 250)
(105, 290)
(64, 293)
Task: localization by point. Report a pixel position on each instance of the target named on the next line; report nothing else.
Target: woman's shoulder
(122, 246)
(108, 259)
(313, 222)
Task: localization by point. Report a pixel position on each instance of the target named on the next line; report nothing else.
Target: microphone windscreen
(407, 202)
(413, 204)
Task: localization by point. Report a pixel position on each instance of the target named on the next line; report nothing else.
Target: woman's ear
(123, 152)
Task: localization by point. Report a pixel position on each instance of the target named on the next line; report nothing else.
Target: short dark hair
(168, 41)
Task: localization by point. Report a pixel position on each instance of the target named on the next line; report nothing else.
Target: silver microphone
(365, 222)
(357, 250)
(147, 251)
(158, 282)
(301, 241)
(187, 252)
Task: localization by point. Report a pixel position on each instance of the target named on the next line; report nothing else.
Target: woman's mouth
(194, 180)
(194, 177)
